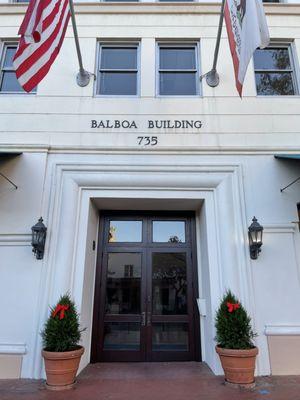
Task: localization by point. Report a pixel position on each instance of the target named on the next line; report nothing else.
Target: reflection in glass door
(145, 300)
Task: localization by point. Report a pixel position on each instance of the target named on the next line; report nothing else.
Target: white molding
(69, 188)
(129, 150)
(13, 348)
(154, 8)
(282, 330)
(15, 239)
(280, 228)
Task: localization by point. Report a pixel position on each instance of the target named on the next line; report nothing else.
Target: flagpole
(212, 77)
(83, 76)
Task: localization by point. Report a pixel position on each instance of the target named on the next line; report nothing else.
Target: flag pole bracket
(83, 78)
(212, 78)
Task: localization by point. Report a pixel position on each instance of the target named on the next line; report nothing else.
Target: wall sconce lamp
(38, 239)
(255, 232)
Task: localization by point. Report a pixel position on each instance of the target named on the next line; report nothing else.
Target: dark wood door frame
(99, 297)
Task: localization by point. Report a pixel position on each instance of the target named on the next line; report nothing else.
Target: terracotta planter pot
(238, 365)
(61, 368)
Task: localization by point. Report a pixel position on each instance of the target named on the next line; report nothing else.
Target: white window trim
(117, 43)
(179, 43)
(290, 45)
(3, 44)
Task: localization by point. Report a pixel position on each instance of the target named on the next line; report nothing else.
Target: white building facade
(148, 141)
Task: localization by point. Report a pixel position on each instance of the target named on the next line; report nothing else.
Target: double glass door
(145, 308)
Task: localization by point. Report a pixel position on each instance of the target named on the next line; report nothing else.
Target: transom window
(178, 73)
(275, 71)
(8, 80)
(118, 70)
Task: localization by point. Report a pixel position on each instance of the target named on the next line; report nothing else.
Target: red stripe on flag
(27, 17)
(38, 53)
(232, 45)
(34, 81)
(22, 46)
(48, 21)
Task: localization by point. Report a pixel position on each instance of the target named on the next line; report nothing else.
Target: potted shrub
(61, 350)
(235, 341)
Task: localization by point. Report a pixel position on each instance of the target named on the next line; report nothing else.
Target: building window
(118, 70)
(178, 73)
(275, 71)
(8, 80)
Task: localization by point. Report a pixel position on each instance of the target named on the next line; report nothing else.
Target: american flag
(42, 33)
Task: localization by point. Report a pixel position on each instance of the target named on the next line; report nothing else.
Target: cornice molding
(154, 8)
(13, 348)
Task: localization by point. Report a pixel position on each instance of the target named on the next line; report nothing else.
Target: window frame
(123, 43)
(294, 70)
(174, 44)
(3, 45)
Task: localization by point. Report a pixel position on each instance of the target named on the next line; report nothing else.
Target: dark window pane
(118, 58)
(9, 54)
(170, 337)
(169, 283)
(125, 231)
(274, 84)
(122, 336)
(272, 59)
(183, 58)
(176, 83)
(169, 231)
(123, 285)
(10, 83)
(118, 83)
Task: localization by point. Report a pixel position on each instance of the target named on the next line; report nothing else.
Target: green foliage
(234, 329)
(62, 334)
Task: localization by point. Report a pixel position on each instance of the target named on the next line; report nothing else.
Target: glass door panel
(169, 283)
(171, 310)
(170, 336)
(123, 283)
(122, 338)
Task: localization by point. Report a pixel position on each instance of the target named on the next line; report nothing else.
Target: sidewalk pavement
(152, 381)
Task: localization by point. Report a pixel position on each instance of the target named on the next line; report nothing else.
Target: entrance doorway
(146, 288)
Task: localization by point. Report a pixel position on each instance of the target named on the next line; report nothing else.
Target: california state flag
(246, 29)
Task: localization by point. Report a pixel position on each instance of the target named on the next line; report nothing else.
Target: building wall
(63, 156)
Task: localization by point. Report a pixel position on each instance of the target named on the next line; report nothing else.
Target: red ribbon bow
(60, 308)
(232, 306)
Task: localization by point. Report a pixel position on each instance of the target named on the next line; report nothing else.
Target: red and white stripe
(42, 33)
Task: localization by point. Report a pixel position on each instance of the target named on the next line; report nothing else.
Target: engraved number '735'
(147, 140)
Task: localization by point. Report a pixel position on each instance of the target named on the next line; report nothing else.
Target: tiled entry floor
(152, 381)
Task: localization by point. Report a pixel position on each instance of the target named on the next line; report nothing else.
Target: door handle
(143, 318)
